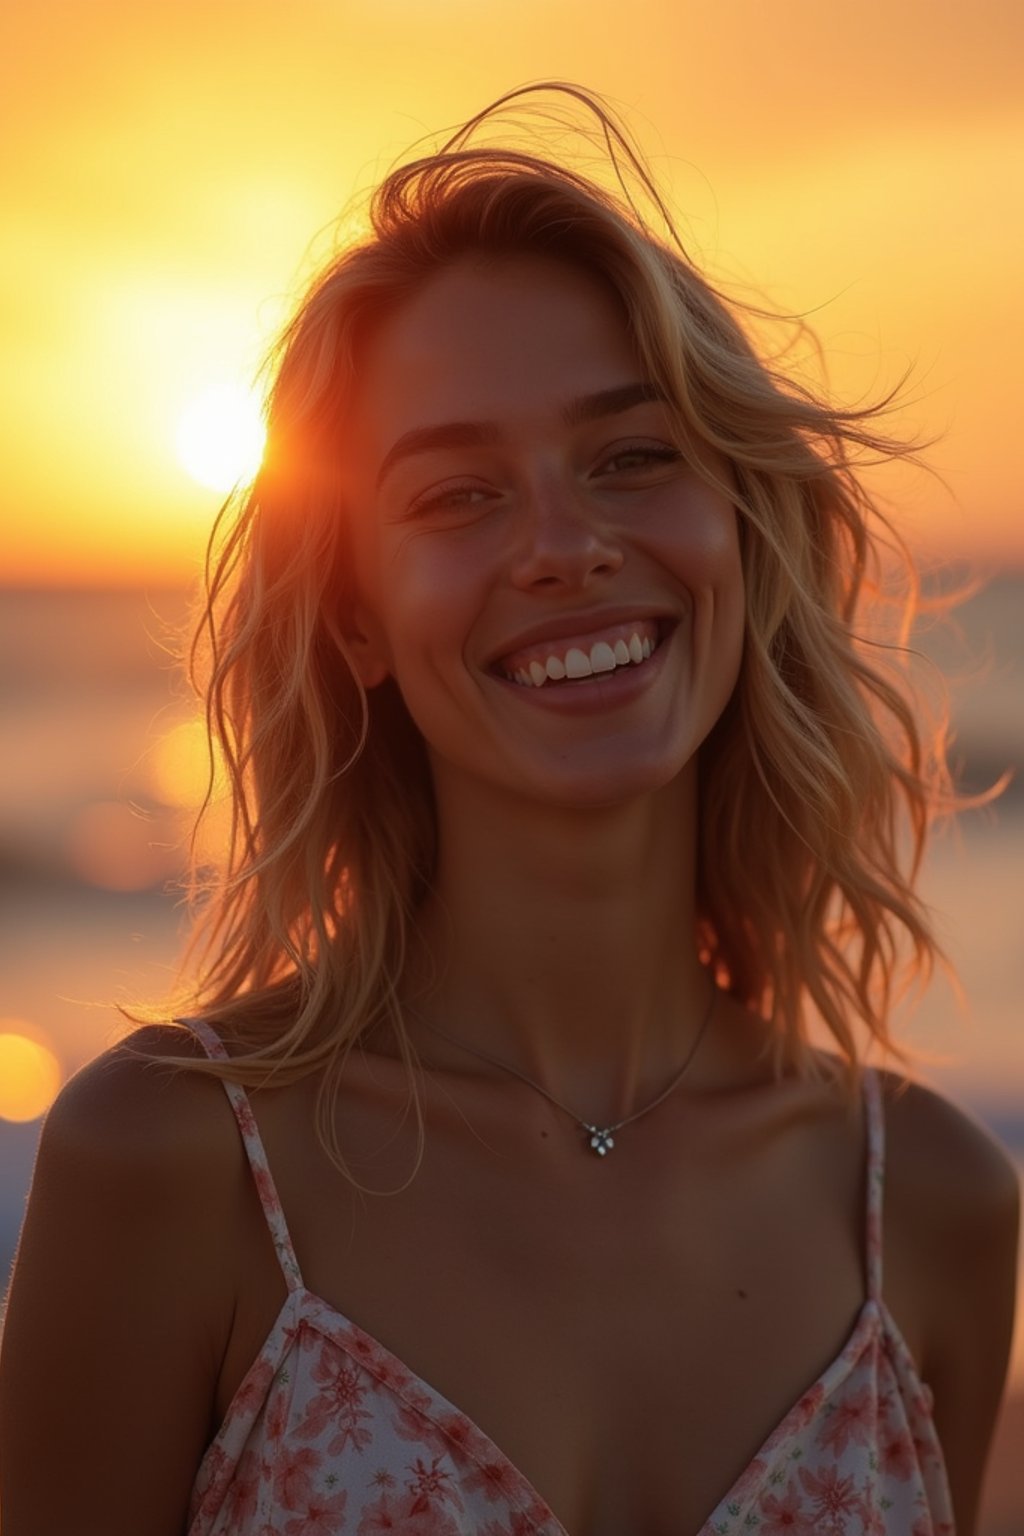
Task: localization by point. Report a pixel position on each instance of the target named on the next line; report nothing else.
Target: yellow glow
(220, 436)
(214, 835)
(181, 766)
(30, 1074)
(171, 257)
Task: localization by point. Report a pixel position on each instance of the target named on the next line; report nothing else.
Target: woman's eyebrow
(611, 402)
(484, 434)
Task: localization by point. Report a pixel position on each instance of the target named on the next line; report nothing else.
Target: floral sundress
(329, 1434)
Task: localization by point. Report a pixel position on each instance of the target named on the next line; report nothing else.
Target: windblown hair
(817, 786)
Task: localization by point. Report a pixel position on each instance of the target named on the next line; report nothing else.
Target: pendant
(602, 1142)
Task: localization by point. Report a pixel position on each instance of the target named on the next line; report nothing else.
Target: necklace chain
(601, 1137)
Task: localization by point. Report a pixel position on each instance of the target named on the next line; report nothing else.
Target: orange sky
(169, 165)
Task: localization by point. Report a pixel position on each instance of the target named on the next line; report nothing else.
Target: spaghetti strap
(256, 1153)
(875, 1121)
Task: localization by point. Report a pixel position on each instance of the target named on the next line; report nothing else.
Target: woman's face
(554, 588)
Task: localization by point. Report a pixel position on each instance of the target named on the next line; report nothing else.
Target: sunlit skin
(574, 511)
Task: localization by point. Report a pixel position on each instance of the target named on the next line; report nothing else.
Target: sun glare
(220, 436)
(29, 1075)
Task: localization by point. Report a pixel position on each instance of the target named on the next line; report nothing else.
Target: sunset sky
(172, 171)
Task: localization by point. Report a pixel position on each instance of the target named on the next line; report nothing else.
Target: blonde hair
(817, 784)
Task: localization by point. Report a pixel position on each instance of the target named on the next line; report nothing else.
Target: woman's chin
(569, 787)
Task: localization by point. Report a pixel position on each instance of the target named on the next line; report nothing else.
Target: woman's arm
(954, 1195)
(120, 1304)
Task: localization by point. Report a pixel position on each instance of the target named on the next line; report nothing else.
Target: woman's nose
(562, 541)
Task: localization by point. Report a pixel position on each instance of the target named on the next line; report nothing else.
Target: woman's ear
(367, 646)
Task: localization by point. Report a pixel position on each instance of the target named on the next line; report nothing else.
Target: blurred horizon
(103, 763)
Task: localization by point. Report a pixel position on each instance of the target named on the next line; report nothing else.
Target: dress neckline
(872, 1326)
(304, 1307)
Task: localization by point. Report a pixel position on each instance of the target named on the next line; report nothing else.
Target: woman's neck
(562, 943)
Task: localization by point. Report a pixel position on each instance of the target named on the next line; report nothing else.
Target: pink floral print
(852, 1421)
(786, 1515)
(331, 1435)
(340, 1406)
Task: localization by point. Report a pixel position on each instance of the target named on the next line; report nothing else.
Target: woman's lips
(597, 693)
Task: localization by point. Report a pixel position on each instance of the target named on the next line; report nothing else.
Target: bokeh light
(179, 777)
(213, 836)
(30, 1074)
(116, 847)
(180, 766)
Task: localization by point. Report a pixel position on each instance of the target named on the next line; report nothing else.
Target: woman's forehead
(485, 339)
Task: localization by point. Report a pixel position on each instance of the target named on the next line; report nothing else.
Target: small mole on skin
(543, 1133)
(742, 1295)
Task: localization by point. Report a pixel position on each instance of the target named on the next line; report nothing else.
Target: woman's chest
(625, 1347)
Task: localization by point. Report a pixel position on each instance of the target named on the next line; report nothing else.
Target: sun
(220, 436)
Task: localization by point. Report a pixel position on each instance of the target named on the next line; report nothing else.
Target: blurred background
(174, 172)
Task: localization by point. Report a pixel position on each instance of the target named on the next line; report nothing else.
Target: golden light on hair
(30, 1074)
(220, 436)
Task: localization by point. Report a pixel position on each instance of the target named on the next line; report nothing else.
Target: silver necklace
(601, 1138)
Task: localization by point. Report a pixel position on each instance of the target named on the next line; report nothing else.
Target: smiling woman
(573, 782)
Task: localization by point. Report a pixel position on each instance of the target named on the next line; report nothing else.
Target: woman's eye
(449, 498)
(640, 457)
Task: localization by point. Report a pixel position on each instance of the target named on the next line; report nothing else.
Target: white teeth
(576, 663)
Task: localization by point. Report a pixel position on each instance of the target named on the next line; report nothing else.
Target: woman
(564, 794)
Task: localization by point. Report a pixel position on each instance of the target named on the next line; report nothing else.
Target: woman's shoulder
(952, 1211)
(952, 1199)
(138, 1174)
(134, 1118)
(947, 1178)
(942, 1164)
(127, 1275)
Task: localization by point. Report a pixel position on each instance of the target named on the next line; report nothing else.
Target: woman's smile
(556, 659)
(593, 674)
